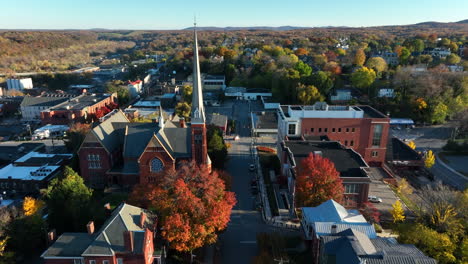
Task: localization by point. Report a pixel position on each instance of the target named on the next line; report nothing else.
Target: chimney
(90, 227)
(107, 209)
(128, 240)
(182, 122)
(333, 229)
(142, 219)
(51, 236)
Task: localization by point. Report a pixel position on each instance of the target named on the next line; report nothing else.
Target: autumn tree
(453, 59)
(322, 81)
(363, 78)
(308, 94)
(332, 67)
(31, 206)
(378, 64)
(183, 109)
(191, 203)
(301, 52)
(439, 113)
(217, 149)
(404, 187)
(429, 159)
(411, 144)
(317, 181)
(398, 213)
(370, 212)
(123, 94)
(76, 135)
(359, 57)
(68, 200)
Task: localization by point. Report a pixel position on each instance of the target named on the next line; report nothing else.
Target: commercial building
(264, 123)
(32, 172)
(361, 128)
(77, 109)
(8, 154)
(127, 236)
(353, 170)
(32, 106)
(19, 84)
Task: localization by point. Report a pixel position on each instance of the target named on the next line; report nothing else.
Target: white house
(135, 88)
(386, 92)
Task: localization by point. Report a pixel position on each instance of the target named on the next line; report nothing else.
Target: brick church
(117, 151)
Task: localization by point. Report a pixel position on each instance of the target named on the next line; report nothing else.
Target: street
(238, 242)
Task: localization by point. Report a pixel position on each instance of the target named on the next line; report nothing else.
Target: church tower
(198, 126)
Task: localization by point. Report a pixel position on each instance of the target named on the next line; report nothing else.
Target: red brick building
(361, 128)
(77, 109)
(117, 151)
(352, 168)
(128, 236)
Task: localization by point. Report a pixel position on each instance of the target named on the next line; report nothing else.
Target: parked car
(374, 199)
(251, 167)
(236, 137)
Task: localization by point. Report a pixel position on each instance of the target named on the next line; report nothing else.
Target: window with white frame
(351, 188)
(94, 161)
(119, 261)
(105, 262)
(291, 129)
(92, 261)
(375, 153)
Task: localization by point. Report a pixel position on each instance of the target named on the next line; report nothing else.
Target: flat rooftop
(323, 110)
(265, 120)
(81, 102)
(398, 150)
(347, 162)
(12, 153)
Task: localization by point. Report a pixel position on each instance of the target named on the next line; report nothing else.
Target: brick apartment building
(77, 109)
(117, 151)
(352, 168)
(361, 128)
(128, 236)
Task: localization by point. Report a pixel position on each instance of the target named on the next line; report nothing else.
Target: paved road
(449, 177)
(238, 242)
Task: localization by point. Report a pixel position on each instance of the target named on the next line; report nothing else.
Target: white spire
(198, 111)
(161, 118)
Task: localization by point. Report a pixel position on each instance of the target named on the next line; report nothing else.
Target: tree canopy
(317, 181)
(192, 204)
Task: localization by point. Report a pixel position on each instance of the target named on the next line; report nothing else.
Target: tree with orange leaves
(317, 181)
(191, 203)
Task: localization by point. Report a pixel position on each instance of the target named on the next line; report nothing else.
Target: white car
(374, 199)
(236, 137)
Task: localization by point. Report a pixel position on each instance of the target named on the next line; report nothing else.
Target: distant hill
(282, 28)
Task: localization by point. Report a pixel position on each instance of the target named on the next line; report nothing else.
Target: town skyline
(53, 14)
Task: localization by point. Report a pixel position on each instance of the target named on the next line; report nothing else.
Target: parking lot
(380, 189)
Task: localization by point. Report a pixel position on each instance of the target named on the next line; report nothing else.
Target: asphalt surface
(238, 242)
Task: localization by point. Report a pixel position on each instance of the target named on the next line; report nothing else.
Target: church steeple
(198, 111)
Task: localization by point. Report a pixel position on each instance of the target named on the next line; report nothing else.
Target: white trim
(81, 258)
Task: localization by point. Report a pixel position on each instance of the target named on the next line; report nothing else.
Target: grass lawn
(408, 202)
(114, 199)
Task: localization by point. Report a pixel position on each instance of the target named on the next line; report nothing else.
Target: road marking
(248, 242)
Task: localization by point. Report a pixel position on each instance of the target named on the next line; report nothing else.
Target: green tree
(187, 94)
(303, 69)
(363, 78)
(453, 59)
(404, 55)
(27, 235)
(322, 81)
(308, 94)
(397, 212)
(436, 245)
(183, 109)
(359, 57)
(123, 95)
(217, 149)
(439, 113)
(68, 200)
(378, 64)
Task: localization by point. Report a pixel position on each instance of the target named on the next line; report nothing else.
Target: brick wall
(355, 133)
(146, 175)
(94, 177)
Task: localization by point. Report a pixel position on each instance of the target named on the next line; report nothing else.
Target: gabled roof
(351, 246)
(176, 140)
(331, 211)
(69, 245)
(137, 136)
(109, 239)
(110, 132)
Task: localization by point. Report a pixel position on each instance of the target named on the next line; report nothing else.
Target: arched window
(156, 165)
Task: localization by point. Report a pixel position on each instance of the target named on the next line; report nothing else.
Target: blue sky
(177, 14)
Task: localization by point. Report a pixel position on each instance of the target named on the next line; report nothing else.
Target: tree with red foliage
(318, 181)
(371, 213)
(112, 106)
(301, 52)
(191, 202)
